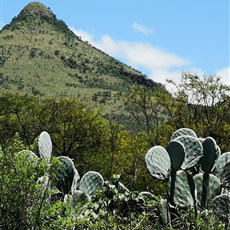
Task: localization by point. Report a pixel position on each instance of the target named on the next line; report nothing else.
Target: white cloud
(85, 36)
(160, 64)
(225, 75)
(142, 28)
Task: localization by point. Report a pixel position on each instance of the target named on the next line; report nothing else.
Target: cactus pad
(148, 196)
(163, 208)
(193, 151)
(45, 146)
(65, 175)
(221, 207)
(31, 155)
(90, 182)
(225, 176)
(176, 153)
(182, 192)
(220, 164)
(213, 190)
(158, 162)
(210, 154)
(183, 132)
(80, 197)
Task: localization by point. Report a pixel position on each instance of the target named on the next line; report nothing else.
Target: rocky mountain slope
(40, 55)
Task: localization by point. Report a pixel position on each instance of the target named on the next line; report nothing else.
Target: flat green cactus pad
(193, 151)
(221, 207)
(90, 182)
(176, 153)
(225, 176)
(221, 162)
(158, 162)
(183, 132)
(80, 197)
(65, 175)
(214, 187)
(30, 155)
(182, 192)
(45, 146)
(211, 152)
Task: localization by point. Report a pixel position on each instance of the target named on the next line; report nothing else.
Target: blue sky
(161, 38)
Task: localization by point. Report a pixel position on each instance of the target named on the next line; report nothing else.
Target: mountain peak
(37, 9)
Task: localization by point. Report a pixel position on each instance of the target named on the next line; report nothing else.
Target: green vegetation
(49, 195)
(77, 131)
(87, 147)
(82, 138)
(40, 55)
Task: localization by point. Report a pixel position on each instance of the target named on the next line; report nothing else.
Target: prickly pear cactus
(31, 155)
(225, 176)
(44, 181)
(214, 187)
(183, 132)
(221, 162)
(45, 146)
(121, 187)
(211, 152)
(76, 178)
(176, 153)
(193, 151)
(148, 196)
(182, 192)
(163, 208)
(90, 182)
(221, 207)
(66, 175)
(77, 199)
(158, 162)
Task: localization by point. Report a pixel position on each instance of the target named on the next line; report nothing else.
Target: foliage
(198, 103)
(39, 205)
(40, 55)
(179, 166)
(20, 195)
(78, 132)
(201, 104)
(142, 106)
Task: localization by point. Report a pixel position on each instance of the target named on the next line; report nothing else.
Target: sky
(160, 38)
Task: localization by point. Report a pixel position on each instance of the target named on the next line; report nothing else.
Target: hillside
(41, 56)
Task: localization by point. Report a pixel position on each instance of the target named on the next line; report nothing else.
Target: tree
(20, 195)
(76, 131)
(201, 104)
(142, 106)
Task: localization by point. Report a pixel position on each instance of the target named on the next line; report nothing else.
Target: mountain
(42, 56)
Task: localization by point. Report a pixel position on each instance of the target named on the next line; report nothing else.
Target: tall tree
(142, 106)
(201, 104)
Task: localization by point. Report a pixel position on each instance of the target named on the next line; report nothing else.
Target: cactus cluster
(67, 179)
(194, 170)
